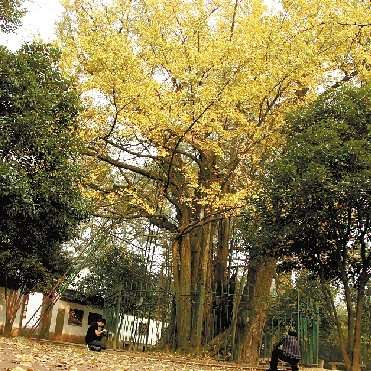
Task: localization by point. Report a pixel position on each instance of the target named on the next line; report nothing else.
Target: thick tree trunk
(208, 326)
(190, 269)
(333, 311)
(12, 302)
(356, 359)
(182, 286)
(8, 326)
(222, 254)
(200, 293)
(252, 311)
(349, 303)
(24, 302)
(45, 317)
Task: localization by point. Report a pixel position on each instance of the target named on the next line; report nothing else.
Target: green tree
(119, 276)
(40, 199)
(11, 13)
(188, 97)
(305, 292)
(319, 208)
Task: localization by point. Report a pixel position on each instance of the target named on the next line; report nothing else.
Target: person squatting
(286, 350)
(95, 334)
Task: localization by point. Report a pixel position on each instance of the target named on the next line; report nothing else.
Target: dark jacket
(91, 335)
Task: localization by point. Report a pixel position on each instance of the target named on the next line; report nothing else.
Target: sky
(39, 22)
(41, 17)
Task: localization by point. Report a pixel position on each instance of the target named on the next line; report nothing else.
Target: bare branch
(159, 221)
(130, 152)
(233, 19)
(117, 111)
(123, 165)
(270, 104)
(203, 221)
(346, 78)
(193, 123)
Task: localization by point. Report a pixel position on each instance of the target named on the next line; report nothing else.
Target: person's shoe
(94, 348)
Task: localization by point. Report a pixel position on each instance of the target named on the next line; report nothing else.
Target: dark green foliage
(113, 269)
(120, 277)
(11, 13)
(312, 306)
(323, 184)
(40, 200)
(315, 202)
(313, 210)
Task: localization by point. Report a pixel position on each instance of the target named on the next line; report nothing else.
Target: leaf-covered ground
(21, 354)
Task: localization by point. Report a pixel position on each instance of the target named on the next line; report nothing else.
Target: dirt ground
(21, 354)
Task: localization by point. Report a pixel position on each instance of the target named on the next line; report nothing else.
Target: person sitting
(94, 335)
(286, 350)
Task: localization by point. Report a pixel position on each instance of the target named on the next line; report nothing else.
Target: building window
(93, 317)
(75, 317)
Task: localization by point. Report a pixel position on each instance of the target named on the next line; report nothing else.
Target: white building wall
(130, 330)
(71, 329)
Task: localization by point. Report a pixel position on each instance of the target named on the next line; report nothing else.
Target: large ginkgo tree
(183, 101)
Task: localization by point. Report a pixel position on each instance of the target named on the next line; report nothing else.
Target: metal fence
(146, 314)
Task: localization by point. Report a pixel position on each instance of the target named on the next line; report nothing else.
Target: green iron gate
(305, 321)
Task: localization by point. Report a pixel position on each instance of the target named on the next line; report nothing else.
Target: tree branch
(233, 19)
(346, 78)
(124, 165)
(203, 221)
(130, 152)
(160, 221)
(193, 123)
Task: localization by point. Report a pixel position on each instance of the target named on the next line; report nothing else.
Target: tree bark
(224, 231)
(182, 286)
(45, 316)
(356, 359)
(12, 302)
(333, 311)
(191, 256)
(252, 311)
(200, 294)
(348, 301)
(208, 326)
(23, 309)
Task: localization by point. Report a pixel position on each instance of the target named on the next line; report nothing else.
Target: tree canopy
(185, 100)
(40, 198)
(187, 96)
(315, 203)
(322, 182)
(11, 12)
